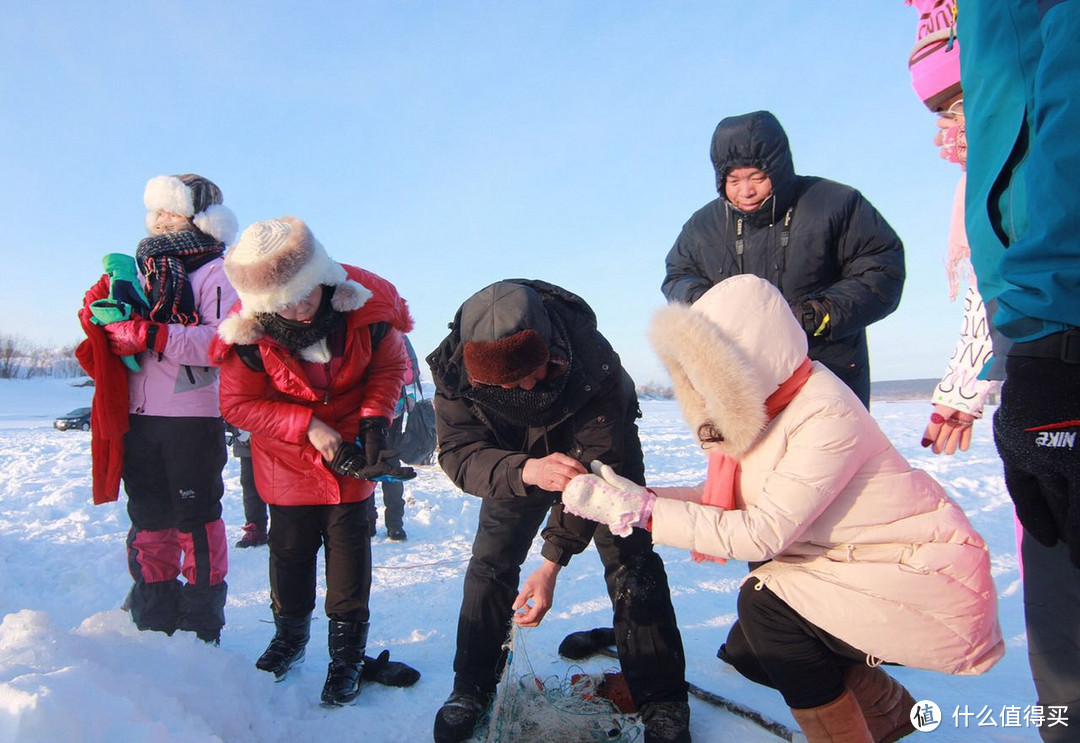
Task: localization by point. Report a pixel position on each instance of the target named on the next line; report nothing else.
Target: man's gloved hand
(136, 335)
(813, 315)
(610, 499)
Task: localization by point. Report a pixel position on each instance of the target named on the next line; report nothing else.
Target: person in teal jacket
(1020, 70)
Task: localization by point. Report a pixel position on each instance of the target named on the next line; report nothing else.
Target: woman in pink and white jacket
(857, 558)
(174, 451)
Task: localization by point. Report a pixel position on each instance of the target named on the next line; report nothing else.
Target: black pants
(254, 507)
(773, 645)
(648, 639)
(296, 534)
(1036, 431)
(172, 476)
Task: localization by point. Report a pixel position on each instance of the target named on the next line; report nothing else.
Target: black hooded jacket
(820, 242)
(484, 454)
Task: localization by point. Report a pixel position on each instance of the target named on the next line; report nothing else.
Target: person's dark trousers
(773, 645)
(296, 534)
(1037, 431)
(503, 538)
(648, 639)
(646, 633)
(172, 476)
(254, 507)
(1051, 609)
(393, 493)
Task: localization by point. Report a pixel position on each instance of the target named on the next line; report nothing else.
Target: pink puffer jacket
(859, 543)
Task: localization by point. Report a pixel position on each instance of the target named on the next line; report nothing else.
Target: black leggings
(775, 646)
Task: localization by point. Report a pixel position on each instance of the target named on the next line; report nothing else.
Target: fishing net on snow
(569, 709)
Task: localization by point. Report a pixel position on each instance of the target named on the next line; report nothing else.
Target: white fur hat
(277, 263)
(194, 197)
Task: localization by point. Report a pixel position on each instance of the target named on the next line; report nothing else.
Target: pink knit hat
(935, 60)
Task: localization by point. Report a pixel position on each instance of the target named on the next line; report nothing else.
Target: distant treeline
(21, 359)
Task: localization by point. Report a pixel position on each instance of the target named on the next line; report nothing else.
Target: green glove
(125, 296)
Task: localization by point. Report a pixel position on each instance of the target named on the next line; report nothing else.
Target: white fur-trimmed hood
(727, 353)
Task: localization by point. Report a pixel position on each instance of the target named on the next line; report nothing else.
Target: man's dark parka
(484, 454)
(820, 242)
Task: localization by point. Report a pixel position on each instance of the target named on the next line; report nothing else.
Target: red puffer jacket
(277, 404)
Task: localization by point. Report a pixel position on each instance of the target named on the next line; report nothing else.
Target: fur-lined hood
(727, 353)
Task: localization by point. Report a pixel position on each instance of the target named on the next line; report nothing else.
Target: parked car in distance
(78, 418)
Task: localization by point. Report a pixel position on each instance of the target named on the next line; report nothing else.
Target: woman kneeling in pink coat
(858, 559)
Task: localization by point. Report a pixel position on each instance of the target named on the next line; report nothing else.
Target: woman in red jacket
(312, 360)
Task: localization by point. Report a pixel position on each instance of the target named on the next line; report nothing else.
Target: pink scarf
(723, 470)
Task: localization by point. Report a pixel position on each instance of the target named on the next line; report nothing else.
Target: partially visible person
(255, 518)
(527, 389)
(958, 398)
(393, 491)
(835, 258)
(860, 559)
(174, 449)
(1020, 69)
(312, 360)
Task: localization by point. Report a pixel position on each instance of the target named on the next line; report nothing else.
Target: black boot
(287, 648)
(347, 642)
(456, 720)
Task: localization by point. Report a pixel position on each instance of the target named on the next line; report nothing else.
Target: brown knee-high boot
(885, 703)
(839, 721)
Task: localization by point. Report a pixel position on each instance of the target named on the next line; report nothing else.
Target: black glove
(813, 315)
(349, 461)
(374, 461)
(388, 672)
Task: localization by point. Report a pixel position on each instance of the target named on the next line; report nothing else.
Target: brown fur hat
(506, 332)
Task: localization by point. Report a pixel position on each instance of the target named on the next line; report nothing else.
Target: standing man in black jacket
(527, 391)
(832, 255)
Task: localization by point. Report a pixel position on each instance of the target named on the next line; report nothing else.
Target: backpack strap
(249, 354)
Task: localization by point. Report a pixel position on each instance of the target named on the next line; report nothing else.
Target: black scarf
(540, 405)
(166, 260)
(295, 336)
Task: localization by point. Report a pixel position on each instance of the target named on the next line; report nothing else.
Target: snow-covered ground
(73, 667)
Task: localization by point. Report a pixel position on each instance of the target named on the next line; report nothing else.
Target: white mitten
(619, 503)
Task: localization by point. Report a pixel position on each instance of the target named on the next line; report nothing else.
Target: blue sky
(446, 145)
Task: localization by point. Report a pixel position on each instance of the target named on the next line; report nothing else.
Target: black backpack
(417, 441)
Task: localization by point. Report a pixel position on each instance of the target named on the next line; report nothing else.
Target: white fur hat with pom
(194, 197)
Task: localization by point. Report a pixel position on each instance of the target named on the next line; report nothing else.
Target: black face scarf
(166, 260)
(540, 405)
(294, 335)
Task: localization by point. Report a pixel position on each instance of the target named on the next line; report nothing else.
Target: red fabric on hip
(109, 408)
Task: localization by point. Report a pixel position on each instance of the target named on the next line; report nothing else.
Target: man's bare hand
(552, 472)
(539, 589)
